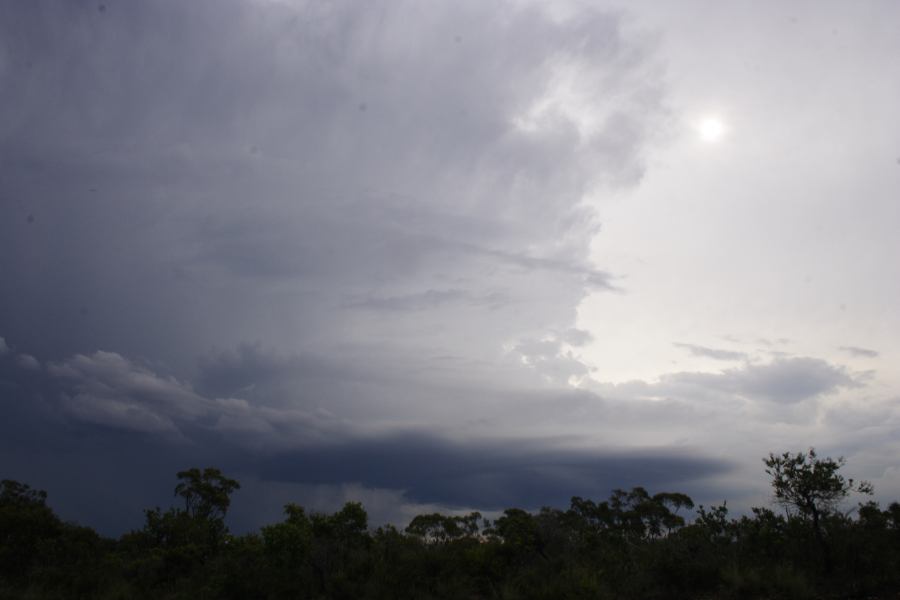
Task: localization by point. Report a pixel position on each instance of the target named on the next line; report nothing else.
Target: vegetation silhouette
(813, 487)
(632, 545)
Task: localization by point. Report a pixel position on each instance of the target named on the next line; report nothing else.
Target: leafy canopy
(810, 484)
(206, 493)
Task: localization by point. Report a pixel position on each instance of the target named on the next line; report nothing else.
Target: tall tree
(206, 493)
(814, 487)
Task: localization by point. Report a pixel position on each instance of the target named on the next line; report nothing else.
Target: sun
(711, 129)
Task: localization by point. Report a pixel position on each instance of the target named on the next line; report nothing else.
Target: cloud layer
(336, 247)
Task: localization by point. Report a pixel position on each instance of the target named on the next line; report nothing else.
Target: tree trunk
(820, 539)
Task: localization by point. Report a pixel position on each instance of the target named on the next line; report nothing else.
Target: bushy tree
(435, 527)
(176, 545)
(26, 523)
(813, 487)
(206, 493)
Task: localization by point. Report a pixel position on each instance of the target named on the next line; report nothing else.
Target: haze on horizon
(445, 256)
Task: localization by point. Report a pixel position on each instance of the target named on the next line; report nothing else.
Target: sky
(445, 256)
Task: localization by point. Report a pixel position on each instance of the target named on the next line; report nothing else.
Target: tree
(38, 551)
(207, 493)
(436, 527)
(180, 542)
(813, 487)
(287, 547)
(634, 514)
(26, 524)
(13, 493)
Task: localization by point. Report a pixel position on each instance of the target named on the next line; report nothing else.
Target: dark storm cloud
(82, 406)
(419, 301)
(180, 177)
(249, 367)
(371, 243)
(108, 389)
(308, 382)
(26, 361)
(715, 353)
(859, 352)
(229, 226)
(98, 475)
(488, 474)
(98, 471)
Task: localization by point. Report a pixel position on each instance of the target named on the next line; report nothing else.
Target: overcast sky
(445, 255)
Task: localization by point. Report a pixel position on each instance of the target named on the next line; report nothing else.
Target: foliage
(810, 484)
(634, 544)
(440, 528)
(207, 493)
(814, 487)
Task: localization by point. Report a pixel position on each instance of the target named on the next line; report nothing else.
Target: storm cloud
(215, 173)
(326, 244)
(155, 421)
(493, 474)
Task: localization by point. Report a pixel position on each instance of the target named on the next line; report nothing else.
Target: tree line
(634, 544)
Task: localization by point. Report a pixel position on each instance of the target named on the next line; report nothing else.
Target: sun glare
(711, 129)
